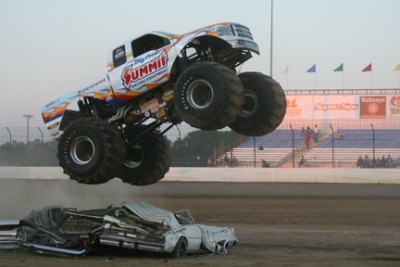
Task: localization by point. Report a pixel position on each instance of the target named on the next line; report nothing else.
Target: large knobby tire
(264, 105)
(208, 96)
(146, 162)
(91, 151)
(180, 249)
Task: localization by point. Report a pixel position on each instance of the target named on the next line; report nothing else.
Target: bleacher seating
(354, 143)
(345, 157)
(276, 148)
(274, 156)
(276, 139)
(384, 138)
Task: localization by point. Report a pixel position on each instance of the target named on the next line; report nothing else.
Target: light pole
(28, 117)
(271, 37)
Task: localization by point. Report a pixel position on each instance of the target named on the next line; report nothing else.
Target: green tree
(198, 146)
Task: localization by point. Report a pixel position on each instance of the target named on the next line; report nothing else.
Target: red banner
(372, 107)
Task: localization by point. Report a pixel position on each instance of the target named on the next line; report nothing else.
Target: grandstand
(278, 147)
(274, 148)
(369, 126)
(352, 144)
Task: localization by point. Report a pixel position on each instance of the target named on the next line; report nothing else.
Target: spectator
(389, 162)
(307, 139)
(210, 162)
(360, 162)
(382, 162)
(367, 162)
(316, 133)
(264, 163)
(234, 162)
(302, 162)
(226, 160)
(260, 147)
(338, 134)
(373, 163)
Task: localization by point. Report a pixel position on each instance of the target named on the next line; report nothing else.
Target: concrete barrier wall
(264, 175)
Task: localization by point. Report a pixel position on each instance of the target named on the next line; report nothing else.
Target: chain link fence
(363, 143)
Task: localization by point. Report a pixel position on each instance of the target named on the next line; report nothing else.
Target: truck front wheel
(208, 96)
(91, 151)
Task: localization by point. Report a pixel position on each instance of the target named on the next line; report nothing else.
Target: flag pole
(399, 80)
(287, 79)
(397, 68)
(315, 80)
(371, 82)
(342, 79)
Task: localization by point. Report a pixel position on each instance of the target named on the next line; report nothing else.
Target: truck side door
(147, 65)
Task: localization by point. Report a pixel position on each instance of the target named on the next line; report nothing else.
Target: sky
(50, 47)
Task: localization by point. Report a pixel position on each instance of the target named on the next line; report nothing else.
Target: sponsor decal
(394, 106)
(151, 67)
(373, 106)
(87, 88)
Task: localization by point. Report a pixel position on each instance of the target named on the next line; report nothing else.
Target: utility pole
(28, 117)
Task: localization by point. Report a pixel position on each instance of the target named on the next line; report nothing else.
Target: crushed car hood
(150, 213)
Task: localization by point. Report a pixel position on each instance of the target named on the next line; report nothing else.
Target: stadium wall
(240, 175)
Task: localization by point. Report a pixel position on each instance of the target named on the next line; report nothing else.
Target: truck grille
(242, 31)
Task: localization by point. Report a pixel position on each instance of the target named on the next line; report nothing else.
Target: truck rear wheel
(208, 96)
(147, 161)
(91, 151)
(264, 105)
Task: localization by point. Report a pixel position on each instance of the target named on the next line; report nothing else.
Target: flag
(397, 67)
(312, 69)
(367, 68)
(286, 70)
(340, 68)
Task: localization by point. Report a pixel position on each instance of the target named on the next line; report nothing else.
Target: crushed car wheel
(180, 249)
(147, 161)
(264, 105)
(208, 96)
(91, 151)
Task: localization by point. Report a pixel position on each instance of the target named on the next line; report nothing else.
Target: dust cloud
(18, 197)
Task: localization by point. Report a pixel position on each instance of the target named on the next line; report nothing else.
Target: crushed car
(135, 225)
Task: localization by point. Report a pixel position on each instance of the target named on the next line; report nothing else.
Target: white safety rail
(240, 175)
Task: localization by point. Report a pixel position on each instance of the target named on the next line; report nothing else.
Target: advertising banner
(393, 110)
(372, 107)
(323, 107)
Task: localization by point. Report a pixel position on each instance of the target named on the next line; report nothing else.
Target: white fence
(241, 175)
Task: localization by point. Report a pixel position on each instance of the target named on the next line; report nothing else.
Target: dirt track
(277, 224)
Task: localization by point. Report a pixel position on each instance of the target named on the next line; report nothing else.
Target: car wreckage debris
(56, 230)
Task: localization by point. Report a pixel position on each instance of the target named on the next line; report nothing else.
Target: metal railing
(23, 134)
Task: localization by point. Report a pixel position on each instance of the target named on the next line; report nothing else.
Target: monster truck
(111, 127)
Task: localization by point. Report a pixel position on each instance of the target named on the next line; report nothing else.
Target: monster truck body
(155, 79)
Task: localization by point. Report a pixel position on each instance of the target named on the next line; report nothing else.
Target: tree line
(193, 150)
